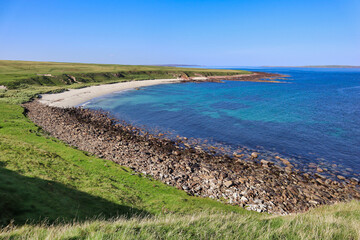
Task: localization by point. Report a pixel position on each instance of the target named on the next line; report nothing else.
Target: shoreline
(241, 178)
(244, 179)
(74, 97)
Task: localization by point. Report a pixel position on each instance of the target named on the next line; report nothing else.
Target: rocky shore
(242, 179)
(253, 77)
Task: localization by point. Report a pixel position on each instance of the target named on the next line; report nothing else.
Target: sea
(311, 117)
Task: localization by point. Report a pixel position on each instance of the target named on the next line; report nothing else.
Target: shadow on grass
(33, 200)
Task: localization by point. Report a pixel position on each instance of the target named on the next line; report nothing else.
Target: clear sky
(213, 32)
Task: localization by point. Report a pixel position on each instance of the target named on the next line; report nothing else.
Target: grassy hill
(17, 74)
(51, 190)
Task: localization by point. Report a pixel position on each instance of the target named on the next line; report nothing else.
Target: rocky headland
(252, 77)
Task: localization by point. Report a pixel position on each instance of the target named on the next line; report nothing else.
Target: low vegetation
(19, 74)
(49, 190)
(336, 222)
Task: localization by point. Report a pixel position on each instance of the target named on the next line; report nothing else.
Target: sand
(75, 97)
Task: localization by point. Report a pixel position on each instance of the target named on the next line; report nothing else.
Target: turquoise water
(314, 117)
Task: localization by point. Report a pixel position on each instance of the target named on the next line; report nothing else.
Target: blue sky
(222, 33)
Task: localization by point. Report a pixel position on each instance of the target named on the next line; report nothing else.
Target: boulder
(228, 184)
(340, 177)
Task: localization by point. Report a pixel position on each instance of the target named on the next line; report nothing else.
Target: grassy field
(19, 74)
(50, 190)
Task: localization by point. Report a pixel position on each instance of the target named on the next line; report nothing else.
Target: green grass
(51, 190)
(18, 74)
(340, 221)
(41, 178)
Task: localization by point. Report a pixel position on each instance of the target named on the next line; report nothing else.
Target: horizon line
(199, 65)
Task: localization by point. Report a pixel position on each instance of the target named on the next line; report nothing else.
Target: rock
(319, 181)
(319, 176)
(176, 153)
(243, 199)
(313, 202)
(288, 170)
(340, 177)
(238, 155)
(256, 207)
(354, 180)
(185, 187)
(228, 184)
(196, 179)
(312, 165)
(285, 161)
(319, 170)
(242, 180)
(72, 78)
(264, 162)
(328, 181)
(254, 154)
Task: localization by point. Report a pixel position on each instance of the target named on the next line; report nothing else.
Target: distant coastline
(178, 65)
(316, 66)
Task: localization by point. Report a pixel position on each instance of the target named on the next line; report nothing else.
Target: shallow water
(315, 117)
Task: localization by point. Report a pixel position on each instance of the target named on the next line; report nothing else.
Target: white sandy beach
(74, 97)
